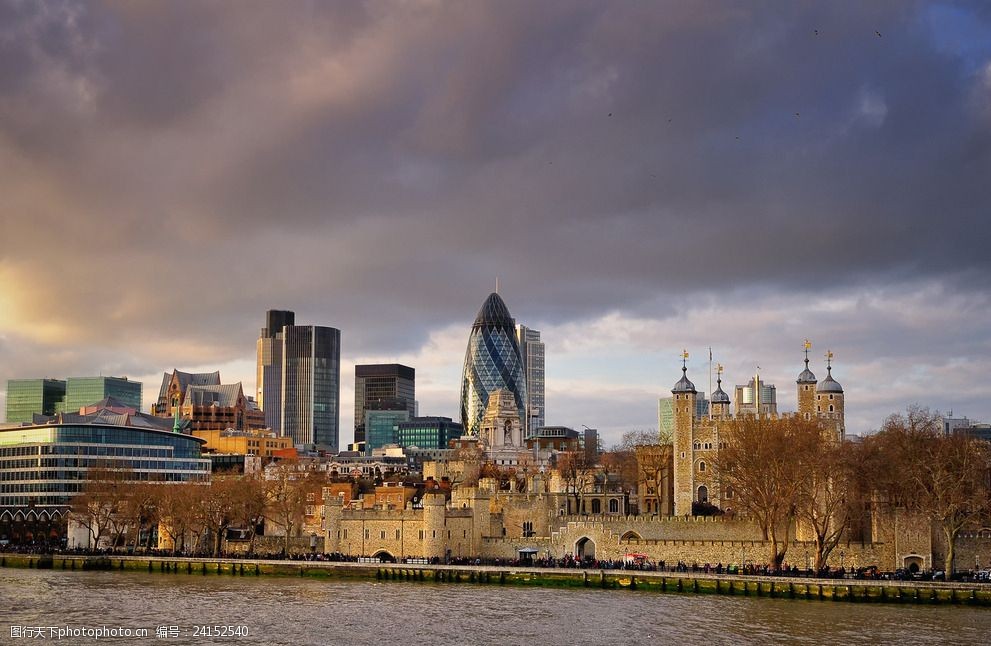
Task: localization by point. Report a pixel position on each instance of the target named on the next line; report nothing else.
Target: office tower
(311, 386)
(492, 362)
(747, 398)
(29, 397)
(299, 380)
(532, 356)
(268, 381)
(83, 391)
(380, 382)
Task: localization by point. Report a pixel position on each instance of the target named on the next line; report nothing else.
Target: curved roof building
(492, 361)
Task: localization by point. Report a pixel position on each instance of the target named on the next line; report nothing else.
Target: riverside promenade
(846, 590)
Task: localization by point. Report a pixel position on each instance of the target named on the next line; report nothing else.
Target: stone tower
(829, 400)
(501, 425)
(333, 510)
(434, 534)
(806, 388)
(684, 433)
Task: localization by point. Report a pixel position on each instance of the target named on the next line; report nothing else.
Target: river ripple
(300, 612)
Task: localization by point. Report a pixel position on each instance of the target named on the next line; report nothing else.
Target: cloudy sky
(641, 177)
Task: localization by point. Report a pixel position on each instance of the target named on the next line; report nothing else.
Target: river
(299, 612)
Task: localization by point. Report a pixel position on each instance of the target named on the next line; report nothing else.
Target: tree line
(193, 517)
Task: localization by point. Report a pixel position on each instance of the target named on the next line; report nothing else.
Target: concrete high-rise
(268, 378)
(299, 380)
(532, 356)
(381, 382)
(492, 362)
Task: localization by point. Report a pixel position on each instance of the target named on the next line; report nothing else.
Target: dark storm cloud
(171, 170)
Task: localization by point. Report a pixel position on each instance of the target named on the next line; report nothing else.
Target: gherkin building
(492, 361)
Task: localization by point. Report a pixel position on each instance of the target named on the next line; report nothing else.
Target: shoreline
(848, 590)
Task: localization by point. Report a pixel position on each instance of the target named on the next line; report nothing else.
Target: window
(830, 408)
(421, 534)
(613, 506)
(382, 535)
(701, 467)
(596, 506)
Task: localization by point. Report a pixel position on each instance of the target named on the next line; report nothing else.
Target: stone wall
(273, 545)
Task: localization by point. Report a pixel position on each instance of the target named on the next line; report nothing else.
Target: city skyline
(640, 180)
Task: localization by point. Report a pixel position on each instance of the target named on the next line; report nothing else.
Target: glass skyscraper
(492, 361)
(311, 386)
(268, 378)
(532, 355)
(299, 380)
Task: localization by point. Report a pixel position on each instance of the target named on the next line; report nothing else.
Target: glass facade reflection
(83, 391)
(492, 361)
(428, 432)
(29, 397)
(42, 467)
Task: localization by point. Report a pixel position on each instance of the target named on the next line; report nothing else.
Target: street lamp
(842, 554)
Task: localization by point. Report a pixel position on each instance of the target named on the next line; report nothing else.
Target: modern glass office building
(380, 382)
(299, 380)
(83, 391)
(428, 432)
(42, 467)
(532, 355)
(311, 386)
(492, 361)
(268, 378)
(381, 427)
(29, 397)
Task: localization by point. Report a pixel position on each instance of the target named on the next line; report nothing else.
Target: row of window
(382, 533)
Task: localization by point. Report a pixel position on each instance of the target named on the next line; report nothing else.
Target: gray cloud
(172, 170)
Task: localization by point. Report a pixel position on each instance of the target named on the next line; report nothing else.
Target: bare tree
(827, 499)
(176, 505)
(286, 488)
(577, 475)
(214, 510)
(943, 477)
(249, 506)
(98, 507)
(760, 462)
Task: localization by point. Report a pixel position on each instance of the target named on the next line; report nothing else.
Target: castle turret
(434, 516)
(333, 506)
(806, 388)
(719, 404)
(829, 399)
(683, 406)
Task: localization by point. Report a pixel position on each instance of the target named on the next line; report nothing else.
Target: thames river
(274, 610)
